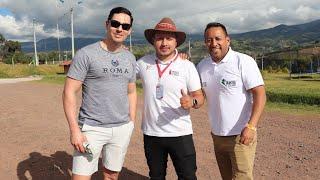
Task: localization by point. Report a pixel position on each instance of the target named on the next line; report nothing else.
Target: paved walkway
(16, 80)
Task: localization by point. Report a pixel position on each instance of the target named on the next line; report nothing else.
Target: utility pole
(58, 33)
(58, 37)
(189, 48)
(71, 24)
(130, 42)
(72, 37)
(262, 62)
(35, 44)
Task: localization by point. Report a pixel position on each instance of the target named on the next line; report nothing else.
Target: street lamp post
(35, 44)
(72, 36)
(71, 24)
(58, 35)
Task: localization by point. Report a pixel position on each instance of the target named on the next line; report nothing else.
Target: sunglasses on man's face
(116, 24)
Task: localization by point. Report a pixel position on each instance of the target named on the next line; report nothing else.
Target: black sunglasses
(116, 24)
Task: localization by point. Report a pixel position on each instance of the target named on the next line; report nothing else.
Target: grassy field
(275, 82)
(281, 88)
(56, 79)
(282, 83)
(22, 70)
(298, 109)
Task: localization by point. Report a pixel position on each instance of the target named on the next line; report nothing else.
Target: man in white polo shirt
(235, 93)
(171, 87)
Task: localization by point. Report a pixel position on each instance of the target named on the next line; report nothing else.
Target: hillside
(261, 41)
(302, 33)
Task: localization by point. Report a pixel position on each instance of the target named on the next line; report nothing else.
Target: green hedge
(309, 99)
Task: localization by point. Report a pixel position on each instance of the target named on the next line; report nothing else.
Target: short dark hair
(118, 10)
(216, 24)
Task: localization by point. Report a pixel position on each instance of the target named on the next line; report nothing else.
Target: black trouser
(181, 150)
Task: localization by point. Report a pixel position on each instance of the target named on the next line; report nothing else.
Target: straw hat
(165, 25)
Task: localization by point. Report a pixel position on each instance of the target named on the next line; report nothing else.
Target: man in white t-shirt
(235, 94)
(171, 87)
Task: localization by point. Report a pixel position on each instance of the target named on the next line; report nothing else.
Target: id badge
(159, 91)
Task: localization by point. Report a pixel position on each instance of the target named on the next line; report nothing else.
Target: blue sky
(189, 15)
(4, 12)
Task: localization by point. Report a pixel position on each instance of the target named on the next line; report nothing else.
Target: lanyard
(160, 73)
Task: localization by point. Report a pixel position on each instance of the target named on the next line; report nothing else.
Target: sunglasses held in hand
(116, 24)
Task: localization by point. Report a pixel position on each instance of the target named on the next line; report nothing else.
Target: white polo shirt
(165, 117)
(225, 85)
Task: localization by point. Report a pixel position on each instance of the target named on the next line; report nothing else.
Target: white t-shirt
(165, 117)
(225, 85)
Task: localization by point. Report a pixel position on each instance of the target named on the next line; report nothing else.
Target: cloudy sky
(191, 16)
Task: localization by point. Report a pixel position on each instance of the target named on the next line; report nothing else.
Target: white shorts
(111, 142)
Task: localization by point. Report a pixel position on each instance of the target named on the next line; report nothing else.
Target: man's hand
(183, 56)
(247, 136)
(185, 100)
(77, 139)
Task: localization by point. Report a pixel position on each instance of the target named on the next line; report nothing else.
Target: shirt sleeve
(193, 81)
(79, 67)
(138, 69)
(134, 67)
(251, 75)
(199, 73)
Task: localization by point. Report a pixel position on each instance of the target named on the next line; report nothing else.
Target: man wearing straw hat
(171, 87)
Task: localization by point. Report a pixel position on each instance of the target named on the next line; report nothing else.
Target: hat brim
(180, 36)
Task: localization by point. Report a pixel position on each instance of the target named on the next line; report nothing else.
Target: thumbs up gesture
(185, 100)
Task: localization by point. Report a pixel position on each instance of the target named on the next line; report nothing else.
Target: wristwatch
(194, 103)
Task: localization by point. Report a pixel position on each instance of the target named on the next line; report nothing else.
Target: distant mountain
(301, 33)
(51, 44)
(278, 37)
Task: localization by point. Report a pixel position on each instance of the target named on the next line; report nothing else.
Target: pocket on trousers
(188, 145)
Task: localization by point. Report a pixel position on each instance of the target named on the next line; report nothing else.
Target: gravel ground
(35, 141)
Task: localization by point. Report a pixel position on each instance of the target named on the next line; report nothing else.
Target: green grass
(297, 109)
(283, 84)
(280, 88)
(55, 79)
(278, 83)
(22, 70)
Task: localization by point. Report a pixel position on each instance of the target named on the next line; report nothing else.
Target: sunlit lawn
(280, 83)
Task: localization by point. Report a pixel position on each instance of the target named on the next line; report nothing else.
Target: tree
(12, 46)
(2, 39)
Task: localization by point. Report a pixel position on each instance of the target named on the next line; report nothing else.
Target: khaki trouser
(235, 160)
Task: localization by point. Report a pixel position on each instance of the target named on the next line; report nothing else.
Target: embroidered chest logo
(115, 62)
(226, 83)
(114, 69)
(148, 67)
(204, 84)
(174, 73)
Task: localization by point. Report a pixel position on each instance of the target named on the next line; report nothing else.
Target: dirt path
(35, 141)
(16, 80)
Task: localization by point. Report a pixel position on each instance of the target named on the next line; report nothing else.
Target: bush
(18, 57)
(309, 99)
(269, 69)
(285, 70)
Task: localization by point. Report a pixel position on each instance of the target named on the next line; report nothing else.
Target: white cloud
(273, 10)
(304, 12)
(190, 16)
(22, 30)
